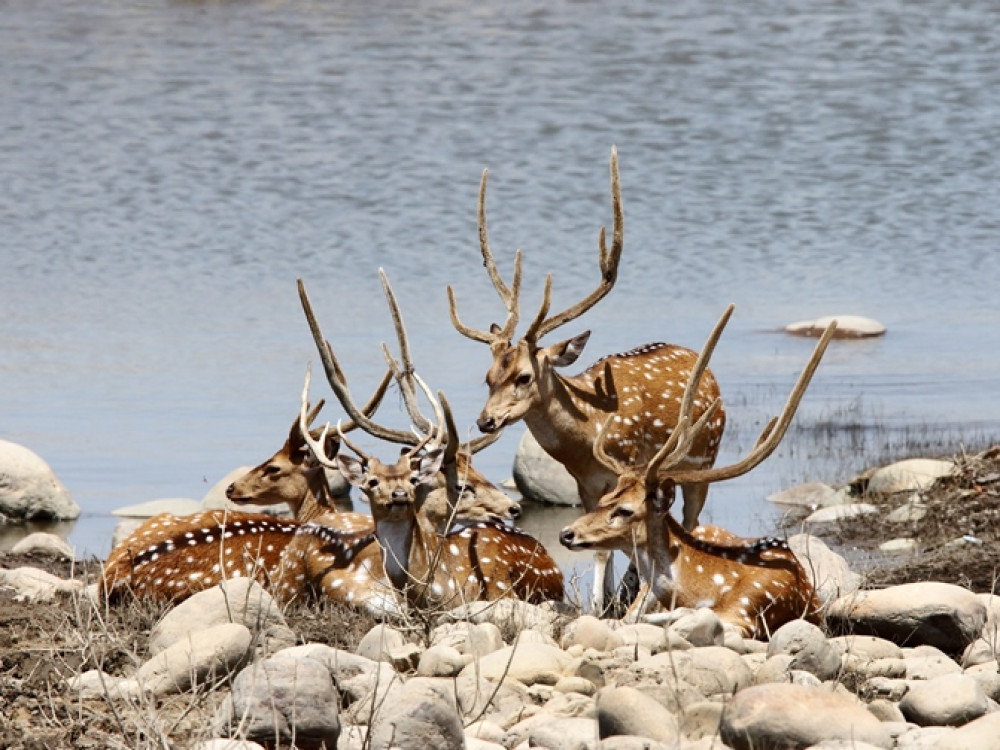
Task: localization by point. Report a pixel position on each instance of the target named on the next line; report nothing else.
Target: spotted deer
(476, 561)
(756, 585)
(635, 394)
(170, 557)
(439, 564)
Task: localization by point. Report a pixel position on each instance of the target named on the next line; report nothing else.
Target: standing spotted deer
(636, 395)
(756, 585)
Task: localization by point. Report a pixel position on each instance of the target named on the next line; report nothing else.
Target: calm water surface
(168, 169)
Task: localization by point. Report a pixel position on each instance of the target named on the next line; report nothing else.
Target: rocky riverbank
(906, 660)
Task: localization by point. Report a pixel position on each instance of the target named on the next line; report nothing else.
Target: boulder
(283, 699)
(175, 506)
(829, 572)
(808, 648)
(241, 600)
(810, 495)
(789, 715)
(540, 477)
(422, 714)
(949, 700)
(216, 653)
(981, 734)
(834, 513)
(908, 475)
(628, 711)
(938, 614)
(588, 631)
(529, 663)
(46, 544)
(36, 585)
(29, 489)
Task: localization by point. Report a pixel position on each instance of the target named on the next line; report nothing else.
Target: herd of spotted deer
(629, 429)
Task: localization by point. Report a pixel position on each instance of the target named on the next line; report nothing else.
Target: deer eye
(461, 488)
(373, 482)
(272, 470)
(523, 379)
(622, 512)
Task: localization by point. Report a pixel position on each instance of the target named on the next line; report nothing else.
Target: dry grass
(43, 644)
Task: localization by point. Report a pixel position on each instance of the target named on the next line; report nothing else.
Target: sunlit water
(168, 169)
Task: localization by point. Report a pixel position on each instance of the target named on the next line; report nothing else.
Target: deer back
(170, 557)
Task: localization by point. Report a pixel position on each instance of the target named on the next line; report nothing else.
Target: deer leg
(604, 581)
(694, 501)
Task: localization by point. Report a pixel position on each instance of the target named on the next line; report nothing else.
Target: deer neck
(317, 499)
(566, 423)
(396, 540)
(663, 558)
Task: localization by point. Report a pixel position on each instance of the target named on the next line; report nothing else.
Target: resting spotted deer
(633, 396)
(756, 585)
(433, 564)
(170, 557)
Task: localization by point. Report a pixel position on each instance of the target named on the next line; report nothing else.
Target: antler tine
(508, 295)
(601, 454)
(483, 441)
(454, 442)
(701, 364)
(402, 373)
(609, 262)
(373, 403)
(318, 447)
(772, 433)
(679, 443)
(438, 429)
(338, 382)
(344, 441)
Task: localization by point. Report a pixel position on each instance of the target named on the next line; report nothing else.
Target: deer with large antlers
(634, 395)
(756, 585)
(434, 565)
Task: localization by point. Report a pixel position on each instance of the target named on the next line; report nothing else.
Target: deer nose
(566, 537)
(399, 496)
(515, 511)
(231, 490)
(486, 424)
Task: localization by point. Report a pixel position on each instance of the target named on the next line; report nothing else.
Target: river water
(168, 169)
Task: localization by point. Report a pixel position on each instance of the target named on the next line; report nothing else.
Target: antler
(508, 295)
(770, 436)
(338, 382)
(406, 376)
(609, 262)
(541, 325)
(318, 447)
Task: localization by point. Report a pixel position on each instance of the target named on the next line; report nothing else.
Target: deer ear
(352, 469)
(663, 496)
(566, 352)
(428, 464)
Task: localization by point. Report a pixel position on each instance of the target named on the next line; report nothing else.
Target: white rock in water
(848, 327)
(29, 489)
